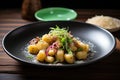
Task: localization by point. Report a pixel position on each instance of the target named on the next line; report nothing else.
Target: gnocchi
(59, 46)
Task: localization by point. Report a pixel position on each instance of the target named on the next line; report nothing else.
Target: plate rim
(46, 65)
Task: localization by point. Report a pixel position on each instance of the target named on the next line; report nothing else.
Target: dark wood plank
(4, 76)
(10, 69)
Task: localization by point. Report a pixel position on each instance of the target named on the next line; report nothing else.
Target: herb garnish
(64, 36)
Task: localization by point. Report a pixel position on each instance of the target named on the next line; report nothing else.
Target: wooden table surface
(106, 69)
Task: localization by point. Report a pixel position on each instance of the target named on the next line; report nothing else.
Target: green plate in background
(55, 13)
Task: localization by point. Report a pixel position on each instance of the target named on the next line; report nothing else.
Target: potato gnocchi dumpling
(58, 46)
(33, 49)
(41, 56)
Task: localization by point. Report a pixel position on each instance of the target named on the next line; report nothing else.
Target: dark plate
(101, 41)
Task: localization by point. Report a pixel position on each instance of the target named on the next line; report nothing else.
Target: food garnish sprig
(64, 36)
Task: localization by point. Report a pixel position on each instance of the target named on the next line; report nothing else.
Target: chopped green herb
(64, 36)
(79, 49)
(30, 57)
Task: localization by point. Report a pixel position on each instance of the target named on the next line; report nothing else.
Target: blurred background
(74, 4)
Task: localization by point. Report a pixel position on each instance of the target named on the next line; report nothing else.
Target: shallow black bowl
(16, 41)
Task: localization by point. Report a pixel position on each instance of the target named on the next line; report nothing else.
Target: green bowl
(55, 13)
